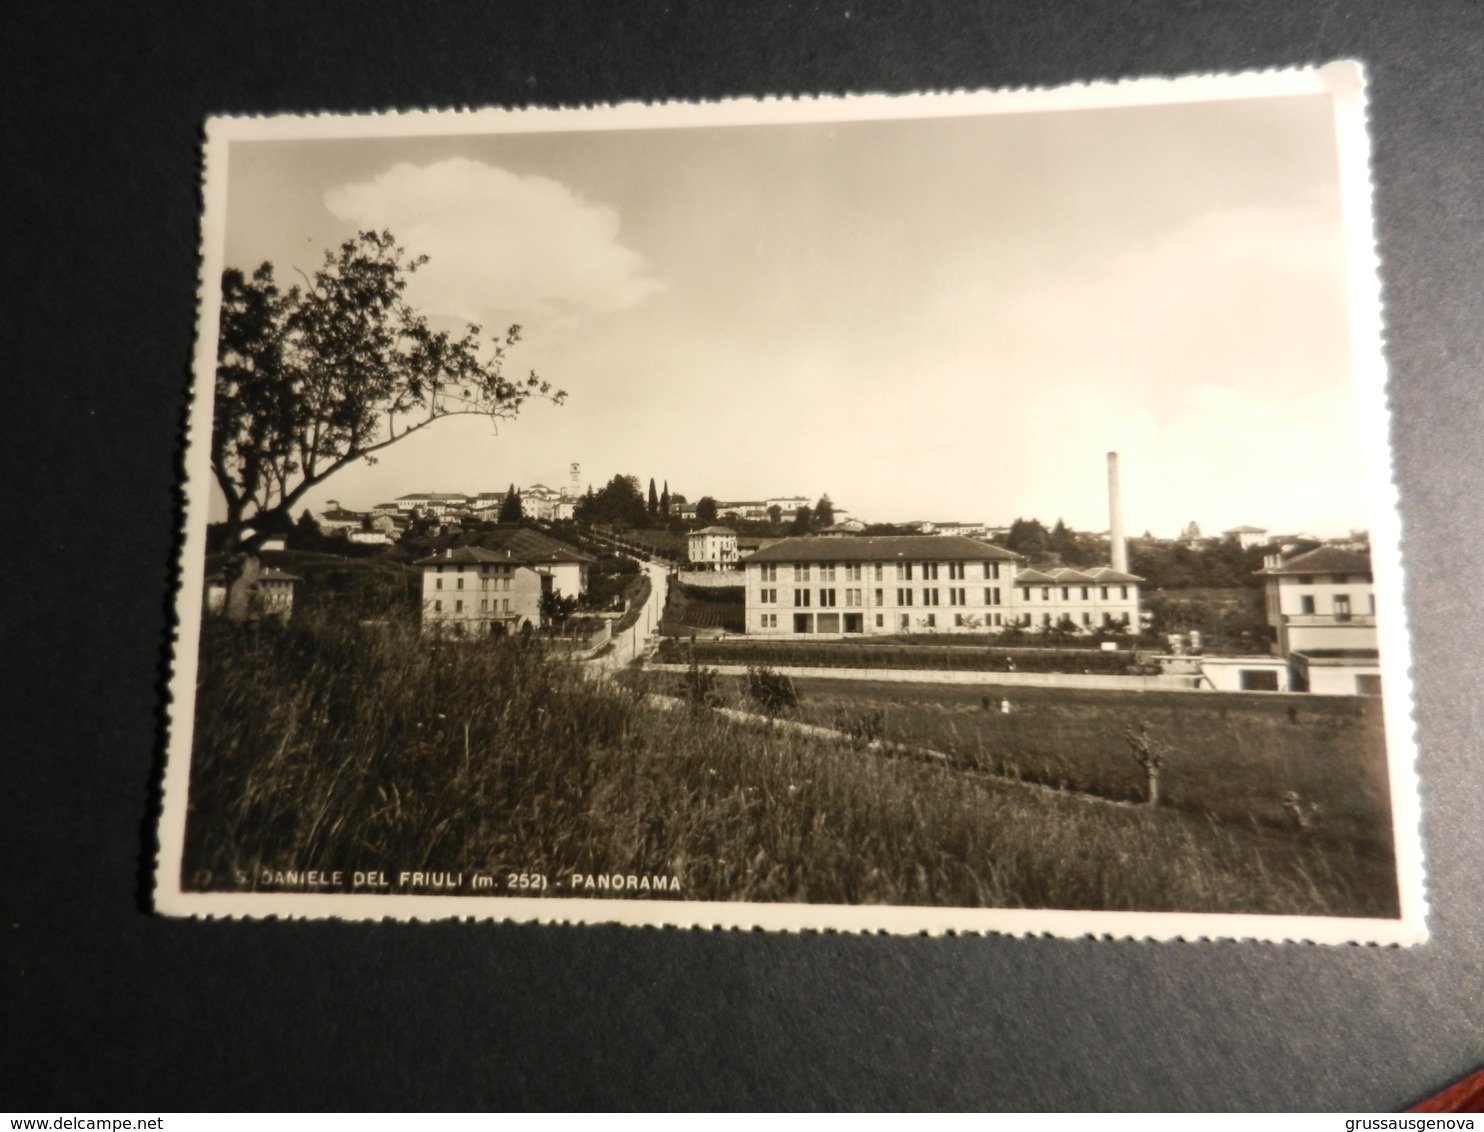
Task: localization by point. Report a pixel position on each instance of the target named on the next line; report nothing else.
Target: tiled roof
(883, 548)
(435, 496)
(521, 544)
(714, 531)
(1066, 576)
(1325, 560)
(466, 555)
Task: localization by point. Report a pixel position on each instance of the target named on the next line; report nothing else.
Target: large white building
(712, 548)
(470, 591)
(890, 584)
(1322, 606)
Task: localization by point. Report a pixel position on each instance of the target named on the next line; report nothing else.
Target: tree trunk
(242, 586)
(1151, 780)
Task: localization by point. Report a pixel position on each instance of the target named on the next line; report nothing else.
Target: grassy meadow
(331, 746)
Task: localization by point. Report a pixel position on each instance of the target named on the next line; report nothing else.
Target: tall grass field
(339, 747)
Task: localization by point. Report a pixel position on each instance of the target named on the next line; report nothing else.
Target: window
(852, 571)
(1306, 604)
(991, 595)
(958, 620)
(827, 572)
(930, 596)
(1085, 593)
(460, 583)
(484, 583)
(438, 582)
(437, 607)
(505, 602)
(852, 597)
(932, 620)
(801, 597)
(1087, 619)
(904, 597)
(1046, 620)
(991, 571)
(770, 572)
(769, 621)
(1066, 593)
(880, 621)
(458, 606)
(1107, 620)
(827, 598)
(1342, 607)
(955, 571)
(1025, 593)
(956, 596)
(929, 571)
(1045, 593)
(801, 571)
(484, 605)
(1371, 604)
(1103, 592)
(505, 584)
(878, 573)
(768, 597)
(906, 621)
(1123, 592)
(998, 619)
(879, 597)
(904, 571)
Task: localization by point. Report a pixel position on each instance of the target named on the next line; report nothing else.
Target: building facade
(712, 548)
(892, 584)
(1322, 607)
(468, 591)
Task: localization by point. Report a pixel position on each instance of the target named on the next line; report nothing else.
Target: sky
(935, 318)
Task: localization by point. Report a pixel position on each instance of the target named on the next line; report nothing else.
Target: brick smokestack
(1118, 544)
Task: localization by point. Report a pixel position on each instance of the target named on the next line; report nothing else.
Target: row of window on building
(501, 605)
(855, 622)
(931, 595)
(855, 571)
(1066, 592)
(502, 583)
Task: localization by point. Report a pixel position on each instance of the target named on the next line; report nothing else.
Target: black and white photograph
(938, 513)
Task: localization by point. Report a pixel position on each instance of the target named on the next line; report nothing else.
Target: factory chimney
(1119, 545)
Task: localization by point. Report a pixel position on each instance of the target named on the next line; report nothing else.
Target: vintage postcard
(946, 513)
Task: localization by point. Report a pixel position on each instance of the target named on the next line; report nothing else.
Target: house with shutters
(1322, 607)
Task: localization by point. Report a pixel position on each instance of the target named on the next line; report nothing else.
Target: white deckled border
(1343, 81)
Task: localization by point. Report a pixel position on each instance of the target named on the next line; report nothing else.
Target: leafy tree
(803, 520)
(327, 373)
(775, 514)
(706, 509)
(556, 609)
(654, 498)
(824, 512)
(619, 503)
(510, 508)
(1028, 537)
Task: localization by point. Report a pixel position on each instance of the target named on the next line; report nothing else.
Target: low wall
(713, 579)
(939, 676)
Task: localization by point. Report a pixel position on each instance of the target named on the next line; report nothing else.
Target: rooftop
(519, 544)
(883, 548)
(1325, 560)
(714, 531)
(1066, 576)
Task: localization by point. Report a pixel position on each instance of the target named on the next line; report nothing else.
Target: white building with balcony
(1322, 606)
(712, 548)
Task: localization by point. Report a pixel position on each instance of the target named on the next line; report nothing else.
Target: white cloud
(498, 241)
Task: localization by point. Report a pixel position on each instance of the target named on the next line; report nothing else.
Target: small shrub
(699, 686)
(771, 691)
(864, 728)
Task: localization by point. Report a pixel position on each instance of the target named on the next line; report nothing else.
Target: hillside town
(546, 560)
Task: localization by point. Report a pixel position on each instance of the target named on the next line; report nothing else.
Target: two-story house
(1322, 606)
